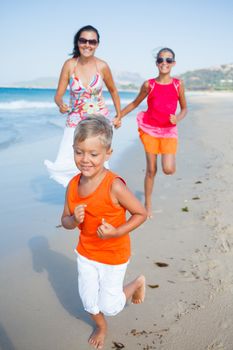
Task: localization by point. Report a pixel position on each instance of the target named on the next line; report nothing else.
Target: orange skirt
(158, 145)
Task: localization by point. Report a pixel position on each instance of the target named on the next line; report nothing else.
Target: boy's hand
(79, 213)
(106, 230)
(173, 119)
(116, 122)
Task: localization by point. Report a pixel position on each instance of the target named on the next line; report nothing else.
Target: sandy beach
(185, 251)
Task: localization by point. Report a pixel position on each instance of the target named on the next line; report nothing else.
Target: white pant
(101, 286)
(64, 168)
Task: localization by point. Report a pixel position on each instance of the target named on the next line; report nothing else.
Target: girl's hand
(79, 213)
(116, 122)
(173, 119)
(106, 230)
(64, 108)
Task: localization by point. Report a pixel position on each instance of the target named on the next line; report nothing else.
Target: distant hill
(128, 80)
(43, 83)
(124, 81)
(215, 78)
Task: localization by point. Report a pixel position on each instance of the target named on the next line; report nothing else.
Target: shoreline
(53, 88)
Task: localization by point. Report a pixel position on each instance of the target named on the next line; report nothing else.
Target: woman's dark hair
(88, 28)
(164, 49)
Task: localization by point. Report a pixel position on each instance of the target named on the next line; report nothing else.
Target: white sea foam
(109, 101)
(124, 101)
(23, 104)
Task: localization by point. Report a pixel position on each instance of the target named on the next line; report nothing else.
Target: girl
(85, 74)
(158, 125)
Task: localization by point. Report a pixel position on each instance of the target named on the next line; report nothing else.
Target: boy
(96, 203)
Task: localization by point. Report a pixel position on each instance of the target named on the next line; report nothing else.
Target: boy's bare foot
(97, 337)
(139, 295)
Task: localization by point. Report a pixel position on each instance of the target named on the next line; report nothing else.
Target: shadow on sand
(62, 275)
(139, 195)
(5, 342)
(48, 191)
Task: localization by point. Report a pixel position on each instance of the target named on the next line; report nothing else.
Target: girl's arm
(121, 195)
(183, 103)
(62, 86)
(109, 82)
(183, 106)
(142, 94)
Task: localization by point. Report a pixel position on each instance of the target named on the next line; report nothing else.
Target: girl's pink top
(162, 102)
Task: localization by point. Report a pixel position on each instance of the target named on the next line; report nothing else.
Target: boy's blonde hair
(94, 125)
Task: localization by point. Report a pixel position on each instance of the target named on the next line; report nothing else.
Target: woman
(85, 75)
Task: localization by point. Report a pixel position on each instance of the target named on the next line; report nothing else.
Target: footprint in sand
(215, 346)
(224, 245)
(189, 276)
(224, 324)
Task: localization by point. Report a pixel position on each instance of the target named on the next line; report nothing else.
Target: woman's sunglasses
(92, 42)
(166, 59)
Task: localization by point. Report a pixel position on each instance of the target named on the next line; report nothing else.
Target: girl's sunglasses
(166, 59)
(84, 41)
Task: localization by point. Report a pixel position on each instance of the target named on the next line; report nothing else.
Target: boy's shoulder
(110, 176)
(114, 176)
(74, 180)
(112, 180)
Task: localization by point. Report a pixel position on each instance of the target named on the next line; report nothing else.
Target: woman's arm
(109, 82)
(62, 86)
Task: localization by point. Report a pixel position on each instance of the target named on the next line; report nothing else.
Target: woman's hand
(116, 122)
(64, 108)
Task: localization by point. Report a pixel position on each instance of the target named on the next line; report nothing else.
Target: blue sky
(37, 36)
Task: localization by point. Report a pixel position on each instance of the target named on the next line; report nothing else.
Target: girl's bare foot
(139, 295)
(148, 206)
(97, 337)
(149, 212)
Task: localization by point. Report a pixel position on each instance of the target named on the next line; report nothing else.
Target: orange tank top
(111, 251)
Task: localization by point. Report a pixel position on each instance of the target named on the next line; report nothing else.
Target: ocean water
(28, 115)
(31, 128)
